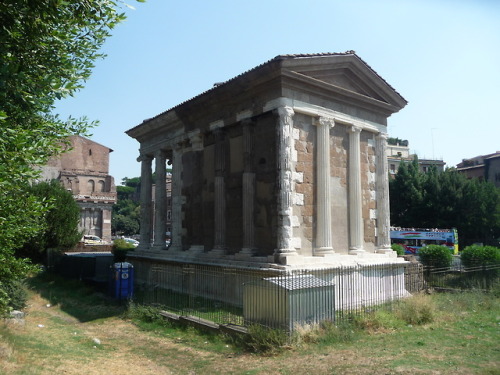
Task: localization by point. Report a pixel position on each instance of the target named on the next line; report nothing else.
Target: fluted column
(177, 199)
(146, 202)
(284, 158)
(356, 228)
(220, 193)
(324, 205)
(160, 208)
(248, 189)
(382, 184)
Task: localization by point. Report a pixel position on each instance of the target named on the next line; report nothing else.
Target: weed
(343, 332)
(379, 321)
(263, 340)
(418, 309)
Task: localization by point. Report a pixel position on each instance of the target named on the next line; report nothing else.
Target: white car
(132, 241)
(92, 240)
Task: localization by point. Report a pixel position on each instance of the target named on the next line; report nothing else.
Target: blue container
(122, 280)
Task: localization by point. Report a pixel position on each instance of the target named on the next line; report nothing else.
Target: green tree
(407, 195)
(47, 49)
(126, 225)
(446, 200)
(60, 222)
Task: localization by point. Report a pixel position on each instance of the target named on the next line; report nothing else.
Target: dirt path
(53, 342)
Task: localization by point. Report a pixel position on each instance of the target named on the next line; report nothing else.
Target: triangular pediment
(346, 73)
(345, 79)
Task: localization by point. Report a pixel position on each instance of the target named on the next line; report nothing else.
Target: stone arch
(91, 186)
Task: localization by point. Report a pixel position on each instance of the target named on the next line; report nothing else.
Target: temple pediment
(344, 73)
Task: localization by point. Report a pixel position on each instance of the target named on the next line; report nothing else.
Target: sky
(442, 56)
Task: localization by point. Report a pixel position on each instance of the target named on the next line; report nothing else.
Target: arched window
(91, 186)
(100, 185)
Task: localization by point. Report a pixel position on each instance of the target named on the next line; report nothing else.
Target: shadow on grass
(83, 301)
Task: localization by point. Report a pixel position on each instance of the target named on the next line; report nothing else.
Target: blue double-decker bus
(412, 239)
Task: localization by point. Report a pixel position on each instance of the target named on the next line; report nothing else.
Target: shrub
(418, 309)
(476, 255)
(13, 295)
(120, 249)
(435, 256)
(399, 249)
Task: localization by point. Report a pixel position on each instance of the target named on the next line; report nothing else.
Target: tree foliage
(47, 51)
(60, 222)
(445, 200)
(126, 211)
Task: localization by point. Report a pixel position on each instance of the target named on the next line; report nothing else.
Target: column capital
(286, 113)
(196, 139)
(382, 136)
(144, 157)
(324, 121)
(355, 129)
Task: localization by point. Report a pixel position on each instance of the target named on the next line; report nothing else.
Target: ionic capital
(145, 157)
(355, 129)
(382, 136)
(324, 121)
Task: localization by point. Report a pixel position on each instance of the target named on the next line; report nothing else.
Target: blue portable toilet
(122, 280)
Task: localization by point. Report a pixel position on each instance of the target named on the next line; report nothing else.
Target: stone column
(382, 184)
(324, 204)
(160, 225)
(146, 203)
(220, 193)
(248, 189)
(177, 199)
(284, 184)
(356, 228)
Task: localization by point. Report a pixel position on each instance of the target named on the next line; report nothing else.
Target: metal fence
(479, 277)
(299, 297)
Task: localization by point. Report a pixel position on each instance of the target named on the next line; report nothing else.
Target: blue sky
(442, 56)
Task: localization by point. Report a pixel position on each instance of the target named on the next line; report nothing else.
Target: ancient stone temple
(281, 166)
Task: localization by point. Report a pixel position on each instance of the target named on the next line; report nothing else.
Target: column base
(323, 251)
(384, 250)
(246, 252)
(283, 256)
(218, 252)
(356, 251)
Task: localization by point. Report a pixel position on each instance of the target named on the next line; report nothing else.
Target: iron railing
(281, 300)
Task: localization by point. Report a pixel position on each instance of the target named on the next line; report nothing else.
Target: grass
(438, 334)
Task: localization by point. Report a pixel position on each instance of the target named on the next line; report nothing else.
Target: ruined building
(84, 170)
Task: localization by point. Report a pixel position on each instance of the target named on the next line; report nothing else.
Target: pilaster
(160, 208)
(356, 228)
(177, 199)
(220, 192)
(382, 184)
(248, 189)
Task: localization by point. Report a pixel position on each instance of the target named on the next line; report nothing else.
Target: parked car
(132, 241)
(92, 240)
